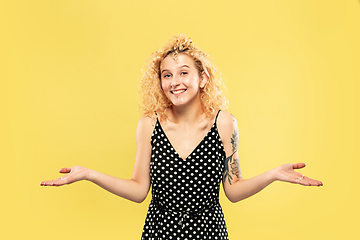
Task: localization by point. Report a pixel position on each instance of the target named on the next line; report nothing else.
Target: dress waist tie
(184, 214)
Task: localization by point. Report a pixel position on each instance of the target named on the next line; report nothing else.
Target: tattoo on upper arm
(234, 141)
(232, 165)
(227, 172)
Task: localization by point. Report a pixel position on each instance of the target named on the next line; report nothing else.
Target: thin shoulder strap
(217, 115)
(157, 117)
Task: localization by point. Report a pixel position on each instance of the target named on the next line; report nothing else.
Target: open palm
(74, 174)
(286, 173)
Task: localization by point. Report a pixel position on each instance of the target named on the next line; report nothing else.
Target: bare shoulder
(147, 121)
(145, 127)
(226, 124)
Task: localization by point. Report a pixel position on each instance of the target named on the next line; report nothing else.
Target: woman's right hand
(74, 174)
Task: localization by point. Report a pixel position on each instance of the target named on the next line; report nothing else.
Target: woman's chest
(186, 140)
(204, 165)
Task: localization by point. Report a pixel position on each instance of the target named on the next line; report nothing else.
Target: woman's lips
(178, 91)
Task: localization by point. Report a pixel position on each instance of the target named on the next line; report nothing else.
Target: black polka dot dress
(185, 192)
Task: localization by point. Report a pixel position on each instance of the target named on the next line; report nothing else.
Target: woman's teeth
(178, 91)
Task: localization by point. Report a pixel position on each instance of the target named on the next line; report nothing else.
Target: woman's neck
(186, 114)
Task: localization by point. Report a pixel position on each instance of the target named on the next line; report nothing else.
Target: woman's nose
(174, 82)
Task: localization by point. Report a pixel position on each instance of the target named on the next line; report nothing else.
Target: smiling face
(180, 80)
(155, 98)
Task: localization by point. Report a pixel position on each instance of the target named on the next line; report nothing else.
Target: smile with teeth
(178, 91)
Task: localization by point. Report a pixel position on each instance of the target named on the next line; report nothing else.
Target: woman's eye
(184, 73)
(166, 76)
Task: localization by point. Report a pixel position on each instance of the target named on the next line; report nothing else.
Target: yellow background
(69, 75)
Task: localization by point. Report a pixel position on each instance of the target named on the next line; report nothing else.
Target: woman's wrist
(272, 175)
(90, 175)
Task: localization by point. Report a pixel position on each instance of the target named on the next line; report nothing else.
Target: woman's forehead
(171, 63)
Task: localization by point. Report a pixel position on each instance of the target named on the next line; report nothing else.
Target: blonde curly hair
(153, 97)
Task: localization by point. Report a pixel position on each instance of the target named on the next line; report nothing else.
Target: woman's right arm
(134, 189)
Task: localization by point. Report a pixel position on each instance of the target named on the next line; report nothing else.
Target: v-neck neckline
(196, 147)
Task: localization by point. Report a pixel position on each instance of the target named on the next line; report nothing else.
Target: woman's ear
(203, 79)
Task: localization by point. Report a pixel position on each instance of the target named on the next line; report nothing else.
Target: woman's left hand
(286, 173)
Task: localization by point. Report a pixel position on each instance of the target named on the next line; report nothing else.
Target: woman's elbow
(140, 195)
(232, 192)
(139, 192)
(232, 198)
(139, 199)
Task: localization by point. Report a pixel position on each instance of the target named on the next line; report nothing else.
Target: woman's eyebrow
(179, 67)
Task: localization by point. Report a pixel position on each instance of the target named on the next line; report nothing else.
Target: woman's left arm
(236, 188)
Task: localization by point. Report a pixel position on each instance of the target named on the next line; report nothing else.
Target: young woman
(186, 145)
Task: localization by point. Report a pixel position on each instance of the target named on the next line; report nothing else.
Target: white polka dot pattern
(185, 193)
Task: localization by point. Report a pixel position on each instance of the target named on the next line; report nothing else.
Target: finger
(298, 165)
(56, 182)
(65, 170)
(311, 182)
(47, 183)
(43, 183)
